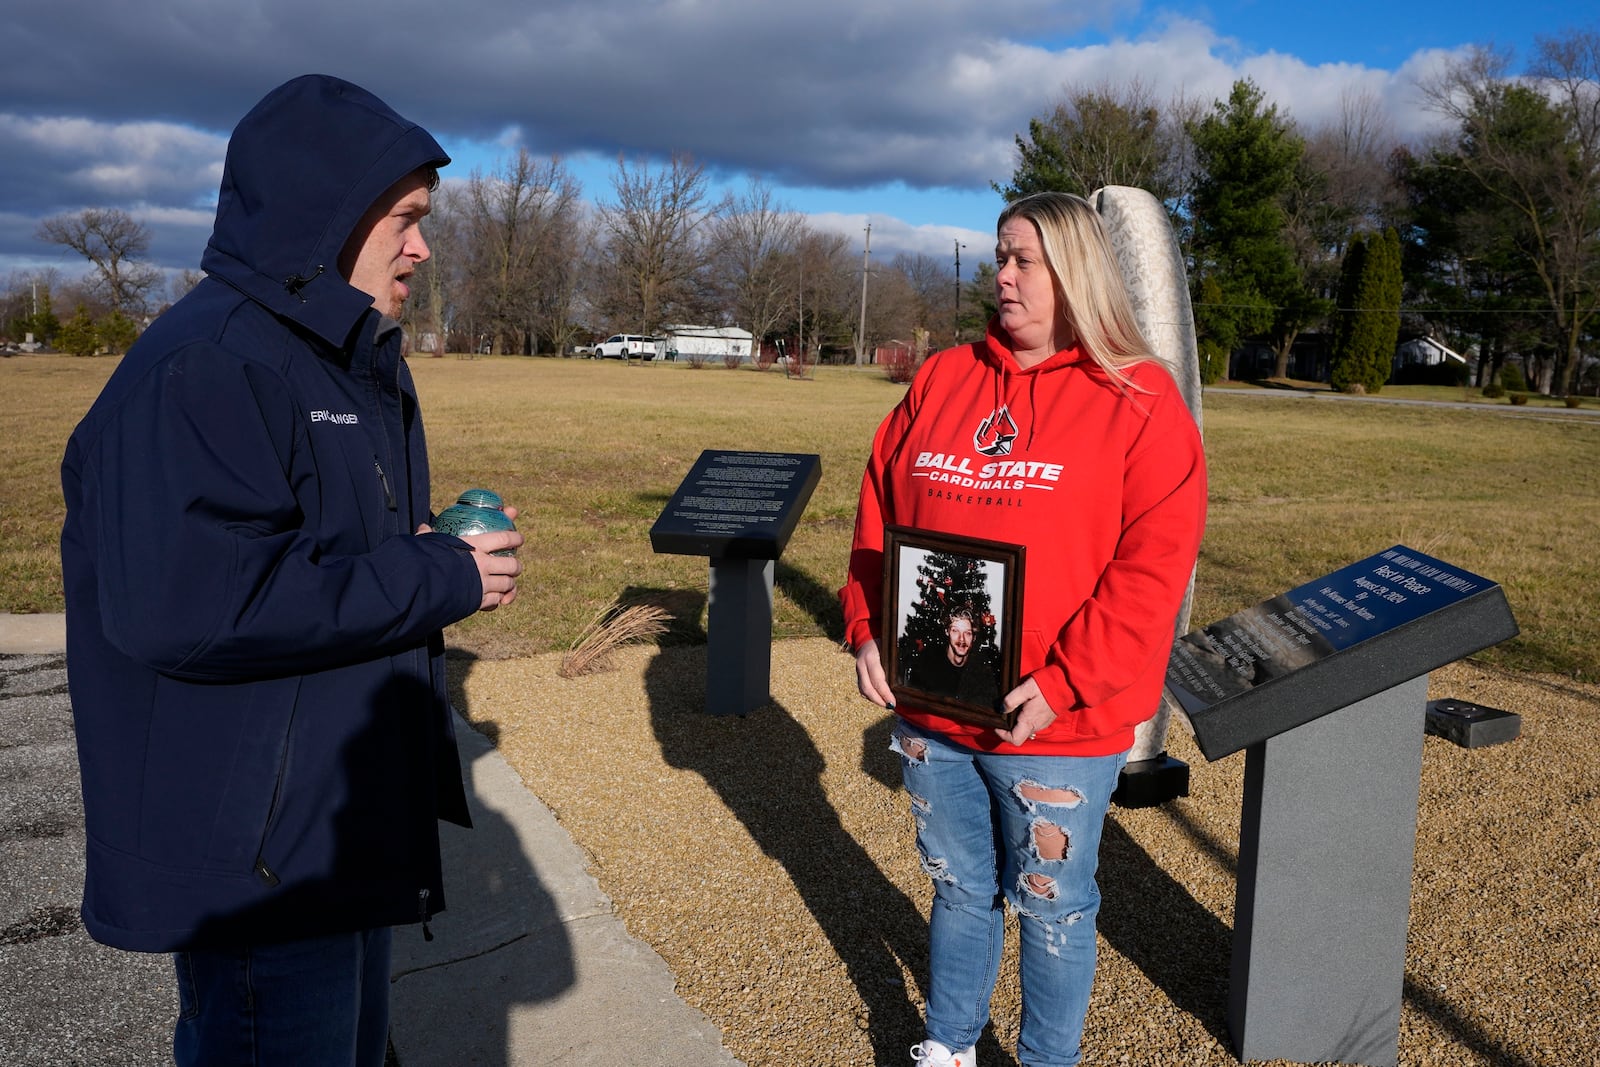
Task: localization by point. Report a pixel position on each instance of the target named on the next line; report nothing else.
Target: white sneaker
(933, 1054)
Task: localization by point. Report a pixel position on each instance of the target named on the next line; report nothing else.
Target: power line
(1411, 309)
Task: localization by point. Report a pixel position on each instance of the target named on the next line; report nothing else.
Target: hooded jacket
(254, 647)
(1103, 485)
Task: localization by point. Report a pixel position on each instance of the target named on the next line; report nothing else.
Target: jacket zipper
(266, 874)
(422, 913)
(383, 480)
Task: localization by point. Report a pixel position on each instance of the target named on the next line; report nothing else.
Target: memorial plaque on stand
(1329, 643)
(741, 505)
(1325, 687)
(738, 510)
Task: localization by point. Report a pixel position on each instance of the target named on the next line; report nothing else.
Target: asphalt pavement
(530, 964)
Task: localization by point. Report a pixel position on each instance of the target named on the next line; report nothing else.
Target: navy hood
(302, 169)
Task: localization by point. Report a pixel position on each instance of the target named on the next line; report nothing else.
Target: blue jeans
(320, 1002)
(993, 829)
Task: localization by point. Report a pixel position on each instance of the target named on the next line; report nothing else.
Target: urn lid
(481, 498)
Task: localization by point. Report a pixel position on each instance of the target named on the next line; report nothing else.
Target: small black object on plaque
(1471, 725)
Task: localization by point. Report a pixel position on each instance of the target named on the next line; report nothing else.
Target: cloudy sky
(901, 112)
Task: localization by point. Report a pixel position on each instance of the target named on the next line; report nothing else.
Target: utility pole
(789, 367)
(956, 332)
(861, 335)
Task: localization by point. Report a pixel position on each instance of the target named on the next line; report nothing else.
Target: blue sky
(901, 112)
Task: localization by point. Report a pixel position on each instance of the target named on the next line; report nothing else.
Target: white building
(707, 342)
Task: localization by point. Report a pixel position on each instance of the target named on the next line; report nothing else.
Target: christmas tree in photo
(946, 582)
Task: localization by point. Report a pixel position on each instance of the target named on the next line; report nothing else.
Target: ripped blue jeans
(993, 829)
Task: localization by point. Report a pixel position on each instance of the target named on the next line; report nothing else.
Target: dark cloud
(828, 92)
(130, 104)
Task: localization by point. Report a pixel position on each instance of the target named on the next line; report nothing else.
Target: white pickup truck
(628, 346)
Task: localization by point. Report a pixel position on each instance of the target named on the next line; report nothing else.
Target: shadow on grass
(655, 501)
(811, 596)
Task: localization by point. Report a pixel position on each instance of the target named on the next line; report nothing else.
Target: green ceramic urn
(476, 511)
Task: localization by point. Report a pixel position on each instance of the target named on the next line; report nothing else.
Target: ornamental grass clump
(611, 629)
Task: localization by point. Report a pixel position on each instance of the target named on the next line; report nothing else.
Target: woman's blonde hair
(1089, 287)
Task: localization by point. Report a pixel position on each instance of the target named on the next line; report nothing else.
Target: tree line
(1486, 238)
(521, 264)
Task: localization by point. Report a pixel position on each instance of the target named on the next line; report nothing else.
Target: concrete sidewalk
(530, 964)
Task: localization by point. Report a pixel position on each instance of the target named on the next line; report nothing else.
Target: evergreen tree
(1367, 323)
(978, 301)
(117, 332)
(1389, 289)
(78, 335)
(42, 323)
(1244, 276)
(945, 583)
(1347, 319)
(1462, 263)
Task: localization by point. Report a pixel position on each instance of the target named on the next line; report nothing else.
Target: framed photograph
(952, 609)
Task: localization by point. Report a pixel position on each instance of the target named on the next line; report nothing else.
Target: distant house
(1424, 352)
(1255, 359)
(707, 342)
(1310, 359)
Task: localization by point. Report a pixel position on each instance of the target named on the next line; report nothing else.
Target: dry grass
(614, 628)
(590, 451)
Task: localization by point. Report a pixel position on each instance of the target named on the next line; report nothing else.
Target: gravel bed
(770, 860)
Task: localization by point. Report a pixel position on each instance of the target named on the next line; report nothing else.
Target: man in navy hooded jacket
(255, 602)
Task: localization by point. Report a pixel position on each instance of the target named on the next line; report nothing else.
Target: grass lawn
(591, 450)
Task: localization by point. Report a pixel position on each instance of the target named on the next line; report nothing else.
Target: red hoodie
(1104, 485)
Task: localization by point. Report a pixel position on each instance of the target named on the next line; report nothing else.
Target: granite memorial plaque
(737, 505)
(1324, 688)
(738, 509)
(1329, 643)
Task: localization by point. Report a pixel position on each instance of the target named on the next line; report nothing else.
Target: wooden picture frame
(931, 582)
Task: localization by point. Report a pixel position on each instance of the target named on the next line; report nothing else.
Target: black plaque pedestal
(738, 509)
(739, 635)
(1325, 689)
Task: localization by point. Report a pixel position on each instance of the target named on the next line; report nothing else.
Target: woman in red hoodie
(1101, 476)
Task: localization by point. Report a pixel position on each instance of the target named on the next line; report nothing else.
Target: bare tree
(753, 240)
(934, 282)
(1534, 146)
(829, 282)
(826, 288)
(653, 249)
(441, 282)
(112, 241)
(1341, 189)
(184, 281)
(519, 220)
(896, 311)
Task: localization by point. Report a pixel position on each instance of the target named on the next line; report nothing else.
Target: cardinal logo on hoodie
(995, 434)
